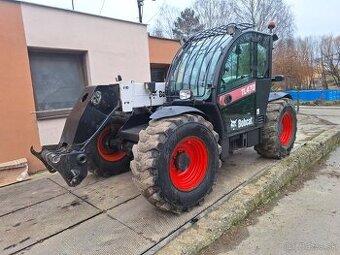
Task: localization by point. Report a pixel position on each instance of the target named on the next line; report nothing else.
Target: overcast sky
(312, 17)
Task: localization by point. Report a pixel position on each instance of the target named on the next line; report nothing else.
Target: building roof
(162, 38)
(76, 12)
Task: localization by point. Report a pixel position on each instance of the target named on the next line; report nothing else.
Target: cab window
(248, 59)
(238, 66)
(262, 54)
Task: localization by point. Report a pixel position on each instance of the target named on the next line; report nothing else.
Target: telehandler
(175, 135)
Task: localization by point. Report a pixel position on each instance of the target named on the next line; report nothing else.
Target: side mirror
(278, 78)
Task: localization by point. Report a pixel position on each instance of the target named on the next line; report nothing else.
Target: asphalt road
(303, 219)
(329, 113)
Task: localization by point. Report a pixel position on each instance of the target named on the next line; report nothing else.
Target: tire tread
(145, 153)
(270, 146)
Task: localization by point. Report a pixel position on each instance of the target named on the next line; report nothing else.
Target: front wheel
(175, 161)
(279, 132)
(109, 159)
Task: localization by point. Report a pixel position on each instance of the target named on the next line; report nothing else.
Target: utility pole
(140, 4)
(72, 4)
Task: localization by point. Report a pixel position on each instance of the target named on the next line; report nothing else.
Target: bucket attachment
(91, 113)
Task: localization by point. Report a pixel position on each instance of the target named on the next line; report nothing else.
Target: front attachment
(72, 166)
(92, 112)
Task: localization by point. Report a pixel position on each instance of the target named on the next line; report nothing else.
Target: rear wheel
(175, 161)
(279, 132)
(108, 156)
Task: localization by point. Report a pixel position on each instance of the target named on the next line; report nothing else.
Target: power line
(102, 7)
(157, 12)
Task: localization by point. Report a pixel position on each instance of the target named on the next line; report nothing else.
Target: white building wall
(113, 47)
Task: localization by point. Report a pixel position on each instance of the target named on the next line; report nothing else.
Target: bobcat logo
(245, 122)
(241, 123)
(233, 124)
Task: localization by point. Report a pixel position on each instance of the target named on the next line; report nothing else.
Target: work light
(185, 94)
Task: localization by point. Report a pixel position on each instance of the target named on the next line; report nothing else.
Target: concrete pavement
(108, 216)
(304, 219)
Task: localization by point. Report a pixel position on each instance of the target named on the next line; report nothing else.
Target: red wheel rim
(286, 128)
(191, 177)
(103, 148)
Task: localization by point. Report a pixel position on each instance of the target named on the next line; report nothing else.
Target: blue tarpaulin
(312, 95)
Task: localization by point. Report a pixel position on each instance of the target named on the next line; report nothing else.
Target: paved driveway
(109, 216)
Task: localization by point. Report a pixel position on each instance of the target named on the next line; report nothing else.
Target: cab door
(240, 80)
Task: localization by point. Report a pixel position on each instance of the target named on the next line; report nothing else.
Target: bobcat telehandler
(174, 135)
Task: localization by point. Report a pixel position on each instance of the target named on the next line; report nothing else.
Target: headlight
(185, 94)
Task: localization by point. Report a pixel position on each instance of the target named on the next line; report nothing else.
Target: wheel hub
(109, 148)
(188, 164)
(182, 161)
(113, 145)
(286, 128)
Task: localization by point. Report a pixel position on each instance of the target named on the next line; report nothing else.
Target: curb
(259, 190)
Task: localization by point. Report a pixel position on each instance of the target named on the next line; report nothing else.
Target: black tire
(154, 161)
(279, 132)
(108, 163)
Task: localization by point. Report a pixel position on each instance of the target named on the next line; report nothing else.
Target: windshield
(195, 65)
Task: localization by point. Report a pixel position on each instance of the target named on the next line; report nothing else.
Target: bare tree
(164, 24)
(260, 12)
(213, 13)
(157, 30)
(320, 62)
(285, 61)
(337, 60)
(330, 56)
(304, 61)
(306, 57)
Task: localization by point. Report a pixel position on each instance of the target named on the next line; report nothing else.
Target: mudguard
(278, 95)
(170, 111)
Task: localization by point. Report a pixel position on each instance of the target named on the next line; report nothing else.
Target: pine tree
(187, 24)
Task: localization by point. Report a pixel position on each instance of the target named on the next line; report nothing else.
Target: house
(48, 55)
(162, 51)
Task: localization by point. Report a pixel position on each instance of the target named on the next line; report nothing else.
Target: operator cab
(228, 67)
